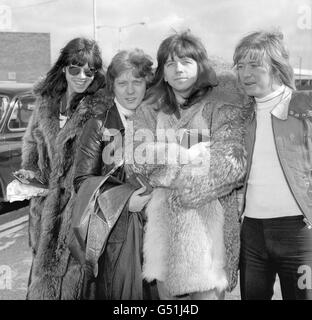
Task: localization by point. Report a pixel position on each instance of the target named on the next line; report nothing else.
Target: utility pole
(94, 21)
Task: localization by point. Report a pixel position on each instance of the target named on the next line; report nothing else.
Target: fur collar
(48, 121)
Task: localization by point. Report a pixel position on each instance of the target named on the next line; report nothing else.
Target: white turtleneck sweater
(268, 195)
(123, 112)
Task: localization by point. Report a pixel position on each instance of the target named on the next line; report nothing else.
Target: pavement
(15, 258)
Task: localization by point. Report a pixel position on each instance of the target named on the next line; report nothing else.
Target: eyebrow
(170, 59)
(248, 61)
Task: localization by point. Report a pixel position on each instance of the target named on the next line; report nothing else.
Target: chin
(251, 93)
(81, 90)
(131, 107)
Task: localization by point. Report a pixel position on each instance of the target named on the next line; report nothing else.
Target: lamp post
(120, 28)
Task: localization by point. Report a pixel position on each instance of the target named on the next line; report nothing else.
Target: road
(15, 258)
(15, 255)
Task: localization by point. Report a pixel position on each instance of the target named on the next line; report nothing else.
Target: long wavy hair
(267, 47)
(182, 45)
(78, 51)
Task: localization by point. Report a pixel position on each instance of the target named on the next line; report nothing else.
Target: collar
(123, 112)
(281, 110)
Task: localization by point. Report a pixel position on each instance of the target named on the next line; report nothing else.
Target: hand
(199, 152)
(138, 202)
(27, 174)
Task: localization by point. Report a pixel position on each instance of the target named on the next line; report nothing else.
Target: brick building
(24, 56)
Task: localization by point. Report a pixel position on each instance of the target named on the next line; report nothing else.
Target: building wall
(24, 56)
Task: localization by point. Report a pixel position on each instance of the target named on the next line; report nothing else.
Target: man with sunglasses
(78, 80)
(66, 98)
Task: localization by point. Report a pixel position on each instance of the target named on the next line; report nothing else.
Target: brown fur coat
(192, 234)
(49, 151)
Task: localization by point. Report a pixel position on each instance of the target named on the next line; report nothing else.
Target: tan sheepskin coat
(192, 234)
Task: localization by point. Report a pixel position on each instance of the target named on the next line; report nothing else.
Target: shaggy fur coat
(50, 151)
(192, 234)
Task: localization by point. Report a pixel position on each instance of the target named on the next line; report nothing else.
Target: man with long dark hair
(66, 98)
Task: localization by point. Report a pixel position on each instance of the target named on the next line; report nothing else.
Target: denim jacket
(292, 129)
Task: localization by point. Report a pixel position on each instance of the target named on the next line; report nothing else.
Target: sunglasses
(75, 70)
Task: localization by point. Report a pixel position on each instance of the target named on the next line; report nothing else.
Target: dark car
(16, 105)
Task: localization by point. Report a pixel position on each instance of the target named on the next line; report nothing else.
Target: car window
(21, 113)
(4, 103)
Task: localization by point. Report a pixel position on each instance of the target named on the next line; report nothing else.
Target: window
(4, 103)
(21, 113)
(303, 84)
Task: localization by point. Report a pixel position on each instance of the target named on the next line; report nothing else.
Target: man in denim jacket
(277, 227)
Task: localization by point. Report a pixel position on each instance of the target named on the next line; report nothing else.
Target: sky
(218, 23)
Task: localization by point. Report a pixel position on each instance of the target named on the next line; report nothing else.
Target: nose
(82, 74)
(130, 89)
(246, 71)
(179, 66)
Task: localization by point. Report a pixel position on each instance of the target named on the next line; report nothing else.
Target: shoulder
(44, 109)
(38, 86)
(99, 102)
(227, 100)
(146, 112)
(147, 107)
(93, 127)
(99, 118)
(228, 90)
(300, 104)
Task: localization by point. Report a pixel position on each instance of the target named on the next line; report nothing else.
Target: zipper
(254, 130)
(305, 219)
(253, 122)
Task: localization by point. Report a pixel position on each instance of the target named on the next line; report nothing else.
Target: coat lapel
(49, 124)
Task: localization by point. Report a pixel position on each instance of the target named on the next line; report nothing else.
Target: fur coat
(50, 151)
(192, 234)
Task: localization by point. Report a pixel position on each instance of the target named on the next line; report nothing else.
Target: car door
(23, 107)
(4, 145)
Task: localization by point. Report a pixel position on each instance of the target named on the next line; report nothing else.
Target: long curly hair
(78, 51)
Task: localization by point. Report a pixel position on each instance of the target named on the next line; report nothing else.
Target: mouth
(248, 84)
(181, 79)
(130, 100)
(80, 83)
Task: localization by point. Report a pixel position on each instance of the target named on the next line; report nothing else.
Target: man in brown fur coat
(48, 152)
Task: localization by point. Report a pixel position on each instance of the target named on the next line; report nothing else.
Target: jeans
(273, 246)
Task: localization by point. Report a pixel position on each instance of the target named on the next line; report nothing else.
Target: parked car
(16, 105)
